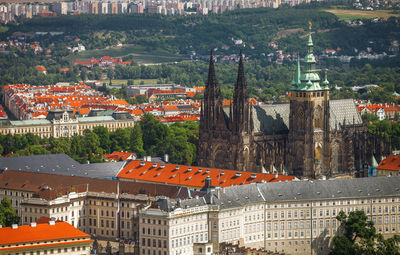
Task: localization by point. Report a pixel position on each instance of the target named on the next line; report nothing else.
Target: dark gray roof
(343, 110)
(238, 196)
(61, 164)
(270, 118)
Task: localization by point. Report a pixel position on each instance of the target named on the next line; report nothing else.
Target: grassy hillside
(359, 14)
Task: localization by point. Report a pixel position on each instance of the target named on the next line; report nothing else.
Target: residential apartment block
(104, 208)
(47, 238)
(297, 217)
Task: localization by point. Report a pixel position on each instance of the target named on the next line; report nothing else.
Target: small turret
(325, 83)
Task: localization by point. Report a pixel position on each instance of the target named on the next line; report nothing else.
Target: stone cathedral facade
(310, 136)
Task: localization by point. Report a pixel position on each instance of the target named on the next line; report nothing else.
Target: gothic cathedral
(311, 136)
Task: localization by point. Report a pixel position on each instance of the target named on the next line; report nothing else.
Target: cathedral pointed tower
(241, 122)
(211, 109)
(241, 117)
(309, 119)
(213, 150)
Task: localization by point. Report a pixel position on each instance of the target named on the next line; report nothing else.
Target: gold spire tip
(309, 25)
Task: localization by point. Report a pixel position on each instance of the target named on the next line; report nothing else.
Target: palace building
(296, 217)
(63, 123)
(310, 136)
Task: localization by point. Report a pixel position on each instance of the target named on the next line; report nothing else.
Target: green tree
(31, 150)
(8, 215)
(120, 140)
(141, 99)
(136, 141)
(104, 137)
(357, 235)
(91, 144)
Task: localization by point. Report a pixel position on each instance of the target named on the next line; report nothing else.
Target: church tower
(213, 151)
(241, 123)
(309, 129)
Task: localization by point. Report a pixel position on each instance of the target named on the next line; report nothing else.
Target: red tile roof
(118, 155)
(61, 185)
(40, 68)
(192, 176)
(42, 232)
(390, 163)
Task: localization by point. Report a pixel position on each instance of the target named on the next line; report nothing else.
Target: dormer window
(65, 116)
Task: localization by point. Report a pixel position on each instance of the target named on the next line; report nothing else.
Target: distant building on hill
(166, 89)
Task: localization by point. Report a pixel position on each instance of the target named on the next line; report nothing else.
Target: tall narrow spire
(241, 116)
(212, 103)
(241, 82)
(297, 75)
(298, 70)
(212, 80)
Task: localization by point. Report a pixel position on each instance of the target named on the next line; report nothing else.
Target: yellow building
(62, 123)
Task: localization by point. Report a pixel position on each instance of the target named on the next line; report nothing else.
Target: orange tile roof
(170, 108)
(390, 163)
(137, 112)
(42, 232)
(40, 68)
(227, 102)
(83, 111)
(119, 101)
(190, 94)
(118, 155)
(194, 177)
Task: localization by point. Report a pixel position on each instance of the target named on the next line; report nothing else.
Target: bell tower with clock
(309, 140)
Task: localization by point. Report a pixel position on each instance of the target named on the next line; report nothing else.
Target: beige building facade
(106, 209)
(64, 124)
(294, 217)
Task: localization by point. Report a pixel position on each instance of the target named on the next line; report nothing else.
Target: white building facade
(296, 217)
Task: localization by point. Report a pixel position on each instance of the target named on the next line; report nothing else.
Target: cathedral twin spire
(241, 118)
(240, 111)
(211, 109)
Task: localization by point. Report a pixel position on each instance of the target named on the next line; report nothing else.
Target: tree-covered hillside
(185, 34)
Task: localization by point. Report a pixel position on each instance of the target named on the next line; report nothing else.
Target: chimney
(33, 224)
(52, 223)
(166, 158)
(149, 158)
(276, 176)
(14, 226)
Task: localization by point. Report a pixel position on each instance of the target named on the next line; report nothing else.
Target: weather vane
(309, 25)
